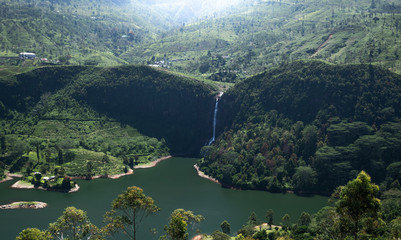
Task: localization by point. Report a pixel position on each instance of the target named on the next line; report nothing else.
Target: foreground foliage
(358, 204)
(73, 224)
(354, 211)
(179, 221)
(128, 210)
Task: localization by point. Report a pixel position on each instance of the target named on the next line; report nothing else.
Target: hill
(308, 126)
(75, 31)
(247, 38)
(264, 34)
(113, 116)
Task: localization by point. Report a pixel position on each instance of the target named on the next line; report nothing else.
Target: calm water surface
(172, 184)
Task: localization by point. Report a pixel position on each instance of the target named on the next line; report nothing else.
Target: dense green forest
(81, 121)
(308, 127)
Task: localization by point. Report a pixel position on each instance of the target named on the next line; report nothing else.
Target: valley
(295, 104)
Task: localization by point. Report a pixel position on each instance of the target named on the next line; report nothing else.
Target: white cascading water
(216, 106)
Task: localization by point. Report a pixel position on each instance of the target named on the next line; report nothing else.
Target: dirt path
(323, 44)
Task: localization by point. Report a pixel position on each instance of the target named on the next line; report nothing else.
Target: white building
(26, 55)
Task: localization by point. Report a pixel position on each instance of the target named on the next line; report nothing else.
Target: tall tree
(89, 169)
(304, 178)
(286, 222)
(73, 224)
(395, 228)
(304, 219)
(177, 228)
(269, 217)
(225, 227)
(3, 144)
(358, 201)
(128, 209)
(253, 219)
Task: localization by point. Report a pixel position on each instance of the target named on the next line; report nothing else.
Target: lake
(173, 184)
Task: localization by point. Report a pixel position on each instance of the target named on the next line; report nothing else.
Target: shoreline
(19, 185)
(24, 205)
(153, 164)
(24, 185)
(104, 176)
(203, 175)
(130, 172)
(10, 176)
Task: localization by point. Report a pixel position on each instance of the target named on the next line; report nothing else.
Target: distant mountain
(75, 31)
(259, 35)
(220, 40)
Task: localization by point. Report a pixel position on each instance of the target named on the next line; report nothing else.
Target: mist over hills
(191, 37)
(182, 11)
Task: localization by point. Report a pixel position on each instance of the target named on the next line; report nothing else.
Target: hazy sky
(191, 8)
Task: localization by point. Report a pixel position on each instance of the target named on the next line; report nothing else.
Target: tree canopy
(358, 200)
(179, 221)
(128, 210)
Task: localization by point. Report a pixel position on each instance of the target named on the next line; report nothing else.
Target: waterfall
(216, 106)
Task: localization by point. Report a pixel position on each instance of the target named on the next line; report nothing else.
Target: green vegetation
(298, 125)
(180, 219)
(128, 210)
(73, 32)
(264, 34)
(75, 121)
(308, 127)
(59, 183)
(73, 224)
(226, 47)
(358, 202)
(33, 233)
(354, 212)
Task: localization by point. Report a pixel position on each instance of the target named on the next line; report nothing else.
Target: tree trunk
(356, 229)
(134, 222)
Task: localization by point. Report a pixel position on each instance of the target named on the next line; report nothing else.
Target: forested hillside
(92, 120)
(263, 34)
(247, 38)
(308, 127)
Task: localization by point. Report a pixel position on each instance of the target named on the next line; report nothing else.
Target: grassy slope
(254, 37)
(270, 33)
(79, 32)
